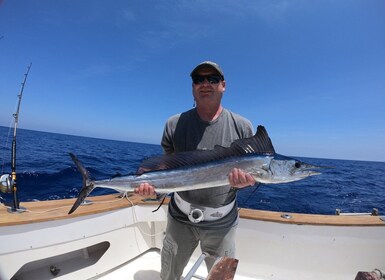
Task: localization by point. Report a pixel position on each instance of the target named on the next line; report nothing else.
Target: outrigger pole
(9, 182)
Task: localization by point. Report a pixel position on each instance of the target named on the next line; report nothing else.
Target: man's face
(208, 92)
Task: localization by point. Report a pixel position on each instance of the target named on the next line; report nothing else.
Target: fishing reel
(6, 183)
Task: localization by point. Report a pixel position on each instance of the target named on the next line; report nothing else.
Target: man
(203, 127)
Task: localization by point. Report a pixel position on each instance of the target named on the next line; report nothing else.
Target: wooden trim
(50, 210)
(311, 219)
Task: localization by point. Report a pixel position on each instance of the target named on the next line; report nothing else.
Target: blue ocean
(45, 172)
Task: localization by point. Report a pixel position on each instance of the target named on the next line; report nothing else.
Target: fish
(202, 169)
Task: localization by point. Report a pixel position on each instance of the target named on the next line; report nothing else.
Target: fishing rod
(8, 182)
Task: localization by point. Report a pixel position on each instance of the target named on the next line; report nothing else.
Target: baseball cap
(208, 64)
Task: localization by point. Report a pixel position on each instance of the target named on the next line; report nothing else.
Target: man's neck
(209, 113)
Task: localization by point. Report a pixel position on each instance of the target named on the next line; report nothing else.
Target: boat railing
(373, 213)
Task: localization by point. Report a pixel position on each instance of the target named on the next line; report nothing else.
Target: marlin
(202, 169)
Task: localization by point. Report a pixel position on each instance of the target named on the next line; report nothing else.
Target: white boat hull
(102, 239)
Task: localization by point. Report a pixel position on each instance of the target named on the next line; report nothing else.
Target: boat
(117, 236)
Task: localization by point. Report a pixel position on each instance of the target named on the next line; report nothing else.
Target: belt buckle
(196, 215)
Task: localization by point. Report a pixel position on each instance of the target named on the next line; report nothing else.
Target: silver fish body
(206, 169)
(266, 170)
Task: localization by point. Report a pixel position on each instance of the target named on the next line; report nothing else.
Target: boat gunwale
(51, 210)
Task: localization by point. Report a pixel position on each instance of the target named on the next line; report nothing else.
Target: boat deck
(147, 267)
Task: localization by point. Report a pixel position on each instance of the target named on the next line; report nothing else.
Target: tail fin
(87, 185)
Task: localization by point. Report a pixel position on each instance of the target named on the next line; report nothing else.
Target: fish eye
(297, 164)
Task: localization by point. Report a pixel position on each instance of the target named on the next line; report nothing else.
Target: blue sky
(311, 72)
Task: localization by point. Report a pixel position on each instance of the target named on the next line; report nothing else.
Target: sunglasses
(212, 79)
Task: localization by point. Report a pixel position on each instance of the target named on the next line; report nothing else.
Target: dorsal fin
(259, 144)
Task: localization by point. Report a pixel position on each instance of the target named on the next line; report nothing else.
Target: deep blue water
(45, 171)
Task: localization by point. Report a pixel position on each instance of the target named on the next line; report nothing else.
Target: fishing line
(135, 219)
(42, 212)
(111, 201)
(161, 203)
(253, 192)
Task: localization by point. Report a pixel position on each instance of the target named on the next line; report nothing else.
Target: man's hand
(239, 179)
(145, 189)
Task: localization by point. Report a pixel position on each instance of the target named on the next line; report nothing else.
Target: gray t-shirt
(188, 132)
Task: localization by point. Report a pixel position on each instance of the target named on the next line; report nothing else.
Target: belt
(198, 214)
